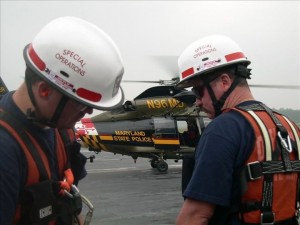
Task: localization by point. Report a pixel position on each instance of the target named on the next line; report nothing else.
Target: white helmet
(80, 60)
(206, 55)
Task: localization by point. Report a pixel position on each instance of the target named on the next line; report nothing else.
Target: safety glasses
(77, 106)
(198, 91)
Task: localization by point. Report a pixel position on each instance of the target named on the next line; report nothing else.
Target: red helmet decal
(36, 59)
(234, 56)
(89, 95)
(187, 72)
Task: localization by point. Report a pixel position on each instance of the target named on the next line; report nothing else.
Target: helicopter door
(165, 133)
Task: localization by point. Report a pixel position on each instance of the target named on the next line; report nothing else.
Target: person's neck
(21, 98)
(23, 102)
(237, 96)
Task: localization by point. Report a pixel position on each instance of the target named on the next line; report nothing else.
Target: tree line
(291, 114)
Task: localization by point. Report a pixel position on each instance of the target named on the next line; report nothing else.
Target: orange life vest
(272, 171)
(35, 155)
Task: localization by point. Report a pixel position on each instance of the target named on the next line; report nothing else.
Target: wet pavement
(127, 193)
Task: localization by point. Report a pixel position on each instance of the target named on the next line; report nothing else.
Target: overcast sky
(152, 34)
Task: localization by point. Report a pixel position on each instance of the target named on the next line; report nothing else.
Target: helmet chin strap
(218, 104)
(31, 115)
(59, 109)
(241, 72)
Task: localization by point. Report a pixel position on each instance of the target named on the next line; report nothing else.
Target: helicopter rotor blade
(169, 65)
(140, 81)
(173, 81)
(275, 86)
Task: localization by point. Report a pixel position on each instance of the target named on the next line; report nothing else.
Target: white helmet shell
(80, 60)
(206, 55)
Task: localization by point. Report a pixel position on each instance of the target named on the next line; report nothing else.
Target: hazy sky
(152, 34)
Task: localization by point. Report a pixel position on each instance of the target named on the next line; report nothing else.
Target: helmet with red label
(80, 60)
(207, 55)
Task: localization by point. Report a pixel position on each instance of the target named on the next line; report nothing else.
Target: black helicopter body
(155, 125)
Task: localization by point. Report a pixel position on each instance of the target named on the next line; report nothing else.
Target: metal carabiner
(68, 194)
(89, 214)
(286, 143)
(75, 191)
(297, 214)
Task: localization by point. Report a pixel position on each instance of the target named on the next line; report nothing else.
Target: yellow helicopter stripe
(86, 139)
(166, 142)
(89, 141)
(93, 141)
(106, 137)
(94, 138)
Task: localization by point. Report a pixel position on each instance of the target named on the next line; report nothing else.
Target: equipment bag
(42, 205)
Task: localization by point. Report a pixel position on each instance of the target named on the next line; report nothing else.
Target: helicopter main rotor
(169, 64)
(175, 80)
(171, 82)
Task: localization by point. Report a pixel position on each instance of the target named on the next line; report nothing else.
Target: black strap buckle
(254, 170)
(267, 218)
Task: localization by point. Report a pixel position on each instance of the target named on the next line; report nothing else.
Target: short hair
(31, 77)
(238, 72)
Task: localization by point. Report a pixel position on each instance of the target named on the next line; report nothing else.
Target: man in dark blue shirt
(216, 68)
(72, 67)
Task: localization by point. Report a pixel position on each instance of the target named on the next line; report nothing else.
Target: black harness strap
(257, 169)
(67, 143)
(283, 140)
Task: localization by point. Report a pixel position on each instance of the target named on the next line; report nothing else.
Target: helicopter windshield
(164, 126)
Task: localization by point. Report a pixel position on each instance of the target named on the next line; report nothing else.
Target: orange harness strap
(270, 169)
(30, 147)
(38, 164)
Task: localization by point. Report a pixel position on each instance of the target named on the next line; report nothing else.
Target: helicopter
(3, 88)
(160, 123)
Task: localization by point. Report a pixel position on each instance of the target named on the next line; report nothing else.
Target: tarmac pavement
(127, 193)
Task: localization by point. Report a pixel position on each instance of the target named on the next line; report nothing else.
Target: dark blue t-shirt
(224, 146)
(13, 165)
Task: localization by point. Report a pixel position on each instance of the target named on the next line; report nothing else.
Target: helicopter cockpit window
(164, 126)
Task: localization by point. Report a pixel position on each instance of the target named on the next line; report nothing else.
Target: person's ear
(226, 81)
(44, 89)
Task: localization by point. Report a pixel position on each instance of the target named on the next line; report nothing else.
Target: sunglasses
(198, 91)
